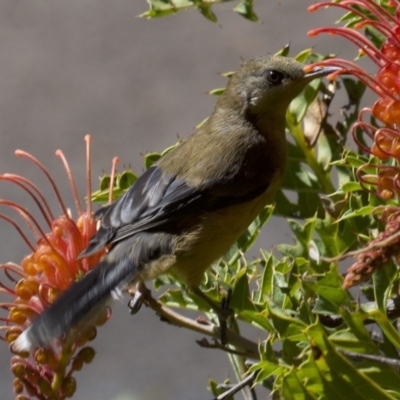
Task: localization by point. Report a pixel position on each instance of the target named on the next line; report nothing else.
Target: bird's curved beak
(319, 71)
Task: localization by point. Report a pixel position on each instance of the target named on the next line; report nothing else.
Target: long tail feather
(77, 303)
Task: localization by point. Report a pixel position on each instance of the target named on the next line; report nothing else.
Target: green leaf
(245, 9)
(217, 389)
(357, 337)
(376, 37)
(349, 187)
(257, 319)
(177, 298)
(150, 159)
(336, 241)
(330, 288)
(293, 388)
(349, 382)
(284, 51)
(385, 324)
(304, 234)
(266, 369)
(350, 159)
(125, 180)
(205, 10)
(361, 212)
(217, 92)
(162, 8)
(305, 55)
(266, 278)
(383, 279)
(241, 292)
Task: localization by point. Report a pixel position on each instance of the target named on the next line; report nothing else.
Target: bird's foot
(139, 293)
(223, 310)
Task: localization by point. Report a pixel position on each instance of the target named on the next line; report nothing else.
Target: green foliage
(161, 8)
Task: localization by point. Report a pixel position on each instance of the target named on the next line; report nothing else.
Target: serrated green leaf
(104, 183)
(349, 187)
(266, 279)
(150, 159)
(245, 9)
(285, 315)
(339, 370)
(330, 288)
(361, 212)
(241, 293)
(177, 298)
(304, 56)
(351, 159)
(293, 388)
(205, 9)
(266, 369)
(335, 242)
(363, 342)
(376, 37)
(125, 180)
(386, 325)
(257, 319)
(303, 234)
(284, 51)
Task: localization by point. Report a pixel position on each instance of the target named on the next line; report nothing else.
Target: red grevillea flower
(386, 83)
(48, 270)
(385, 136)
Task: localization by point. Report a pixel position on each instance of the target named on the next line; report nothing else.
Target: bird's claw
(223, 310)
(225, 317)
(139, 295)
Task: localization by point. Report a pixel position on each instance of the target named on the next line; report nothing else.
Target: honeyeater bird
(186, 211)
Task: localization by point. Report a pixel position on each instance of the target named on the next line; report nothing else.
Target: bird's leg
(223, 310)
(139, 293)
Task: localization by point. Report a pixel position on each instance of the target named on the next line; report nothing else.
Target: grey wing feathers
(154, 200)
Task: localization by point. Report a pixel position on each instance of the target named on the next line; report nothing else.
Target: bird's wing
(157, 200)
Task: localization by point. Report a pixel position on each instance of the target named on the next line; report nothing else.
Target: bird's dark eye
(274, 77)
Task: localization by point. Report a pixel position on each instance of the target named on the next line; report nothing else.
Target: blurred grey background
(68, 68)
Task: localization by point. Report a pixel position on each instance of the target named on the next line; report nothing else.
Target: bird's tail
(77, 303)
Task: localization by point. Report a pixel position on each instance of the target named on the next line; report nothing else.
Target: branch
(236, 388)
(372, 357)
(247, 347)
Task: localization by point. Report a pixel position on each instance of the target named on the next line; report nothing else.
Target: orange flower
(50, 268)
(386, 83)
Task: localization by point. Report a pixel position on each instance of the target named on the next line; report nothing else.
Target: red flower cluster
(50, 268)
(386, 83)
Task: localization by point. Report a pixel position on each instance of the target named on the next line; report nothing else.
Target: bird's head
(270, 83)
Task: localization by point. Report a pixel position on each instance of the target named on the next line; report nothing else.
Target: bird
(187, 210)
